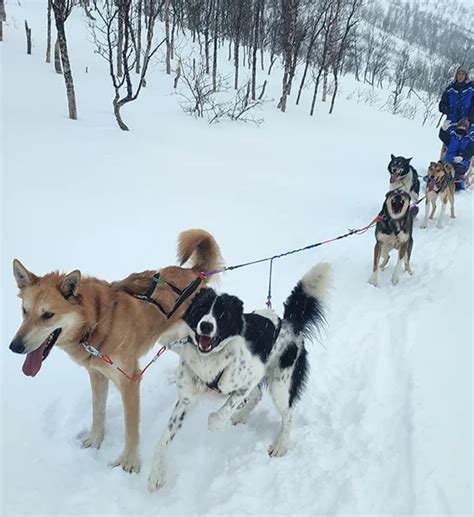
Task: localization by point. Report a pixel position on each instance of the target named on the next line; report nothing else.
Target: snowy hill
(385, 426)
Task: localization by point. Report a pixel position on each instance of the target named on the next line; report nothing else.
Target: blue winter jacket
(458, 145)
(457, 101)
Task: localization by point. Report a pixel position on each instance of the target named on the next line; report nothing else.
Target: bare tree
(48, 34)
(28, 38)
(138, 46)
(168, 39)
(3, 17)
(351, 21)
(106, 38)
(62, 10)
(57, 57)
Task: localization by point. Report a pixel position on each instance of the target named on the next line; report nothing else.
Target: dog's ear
(23, 277)
(71, 284)
(392, 157)
(408, 160)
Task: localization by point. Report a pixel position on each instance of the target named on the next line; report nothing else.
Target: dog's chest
(208, 367)
(393, 240)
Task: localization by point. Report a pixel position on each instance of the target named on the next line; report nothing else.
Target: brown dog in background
(440, 184)
(67, 310)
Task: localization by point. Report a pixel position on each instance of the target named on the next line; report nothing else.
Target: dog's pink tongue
(205, 342)
(33, 361)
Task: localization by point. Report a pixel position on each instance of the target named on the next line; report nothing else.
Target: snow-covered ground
(385, 427)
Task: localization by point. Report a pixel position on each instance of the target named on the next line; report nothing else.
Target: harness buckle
(92, 350)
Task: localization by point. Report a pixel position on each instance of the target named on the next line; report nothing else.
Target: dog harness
(183, 294)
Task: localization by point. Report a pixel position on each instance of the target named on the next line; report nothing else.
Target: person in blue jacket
(459, 141)
(457, 100)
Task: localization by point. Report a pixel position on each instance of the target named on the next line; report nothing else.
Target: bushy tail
(305, 307)
(201, 249)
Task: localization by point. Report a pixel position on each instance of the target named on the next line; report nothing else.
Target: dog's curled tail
(305, 307)
(201, 249)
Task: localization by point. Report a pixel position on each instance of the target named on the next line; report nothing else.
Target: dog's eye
(23, 310)
(47, 315)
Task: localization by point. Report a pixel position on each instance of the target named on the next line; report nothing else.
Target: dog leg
(157, 477)
(129, 460)
(373, 278)
(100, 388)
(280, 384)
(408, 256)
(424, 224)
(222, 416)
(441, 215)
(242, 414)
(401, 256)
(386, 258)
(433, 207)
(451, 202)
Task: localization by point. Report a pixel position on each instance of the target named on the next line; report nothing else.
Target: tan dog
(64, 310)
(440, 184)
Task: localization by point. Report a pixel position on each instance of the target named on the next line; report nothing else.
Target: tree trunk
(168, 39)
(120, 22)
(139, 36)
(336, 85)
(2, 17)
(117, 106)
(255, 48)
(236, 64)
(315, 93)
(214, 57)
(325, 85)
(71, 96)
(28, 38)
(57, 57)
(48, 35)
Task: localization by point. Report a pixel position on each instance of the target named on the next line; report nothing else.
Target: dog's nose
(17, 346)
(206, 327)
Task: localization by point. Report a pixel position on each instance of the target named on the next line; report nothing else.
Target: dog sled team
(452, 172)
(222, 350)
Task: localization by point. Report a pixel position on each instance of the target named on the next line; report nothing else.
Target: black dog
(394, 231)
(403, 176)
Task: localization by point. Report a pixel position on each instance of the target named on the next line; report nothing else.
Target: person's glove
(458, 159)
(446, 124)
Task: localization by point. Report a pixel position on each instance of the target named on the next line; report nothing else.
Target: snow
(385, 427)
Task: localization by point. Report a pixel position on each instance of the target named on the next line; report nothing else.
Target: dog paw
(128, 461)
(157, 478)
(215, 422)
(92, 440)
(439, 226)
(239, 419)
(395, 280)
(423, 226)
(277, 450)
(373, 280)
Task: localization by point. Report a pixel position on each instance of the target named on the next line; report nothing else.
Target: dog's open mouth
(205, 343)
(34, 360)
(397, 205)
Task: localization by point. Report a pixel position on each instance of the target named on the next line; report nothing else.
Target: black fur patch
(260, 335)
(288, 357)
(303, 312)
(299, 377)
(200, 306)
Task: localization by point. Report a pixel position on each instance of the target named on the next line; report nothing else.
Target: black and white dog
(403, 176)
(234, 354)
